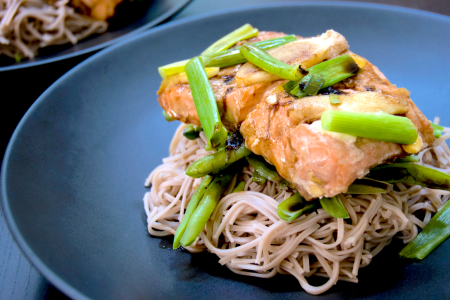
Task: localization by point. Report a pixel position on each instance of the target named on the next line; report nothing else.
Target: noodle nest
(28, 25)
(249, 238)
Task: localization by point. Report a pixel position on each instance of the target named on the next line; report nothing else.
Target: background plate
(73, 173)
(130, 19)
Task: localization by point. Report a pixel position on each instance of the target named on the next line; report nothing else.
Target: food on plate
(296, 156)
(28, 25)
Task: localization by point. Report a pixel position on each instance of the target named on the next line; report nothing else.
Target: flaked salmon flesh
(287, 132)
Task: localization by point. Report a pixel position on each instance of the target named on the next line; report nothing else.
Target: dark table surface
(19, 279)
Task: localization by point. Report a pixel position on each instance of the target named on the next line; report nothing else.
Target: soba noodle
(27, 25)
(247, 235)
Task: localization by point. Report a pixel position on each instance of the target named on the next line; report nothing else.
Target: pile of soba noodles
(28, 25)
(249, 238)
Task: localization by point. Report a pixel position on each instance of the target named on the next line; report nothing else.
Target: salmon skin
(287, 132)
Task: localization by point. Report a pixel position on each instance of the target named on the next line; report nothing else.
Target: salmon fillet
(287, 132)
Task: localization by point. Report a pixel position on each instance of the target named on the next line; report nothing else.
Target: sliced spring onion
(411, 174)
(334, 99)
(233, 56)
(205, 103)
(258, 178)
(240, 187)
(262, 167)
(242, 33)
(411, 158)
(225, 58)
(173, 68)
(216, 161)
(262, 59)
(193, 203)
(437, 130)
(204, 209)
(333, 71)
(367, 186)
(314, 84)
(432, 235)
(192, 132)
(334, 207)
(378, 126)
(294, 206)
(167, 116)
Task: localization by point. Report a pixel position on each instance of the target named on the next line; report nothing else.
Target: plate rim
(62, 285)
(168, 14)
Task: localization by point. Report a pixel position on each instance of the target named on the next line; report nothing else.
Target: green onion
(234, 57)
(432, 235)
(283, 183)
(294, 206)
(173, 68)
(242, 33)
(411, 174)
(378, 126)
(333, 71)
(367, 186)
(215, 162)
(192, 132)
(167, 116)
(225, 58)
(205, 103)
(262, 167)
(240, 187)
(334, 207)
(262, 59)
(193, 203)
(411, 158)
(437, 130)
(200, 216)
(258, 178)
(334, 99)
(17, 57)
(314, 84)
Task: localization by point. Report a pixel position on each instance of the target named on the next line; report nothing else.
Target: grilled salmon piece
(238, 89)
(287, 132)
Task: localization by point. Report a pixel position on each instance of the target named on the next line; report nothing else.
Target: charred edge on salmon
(234, 141)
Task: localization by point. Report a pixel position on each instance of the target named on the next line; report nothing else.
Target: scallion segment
(294, 206)
(314, 84)
(192, 132)
(432, 235)
(225, 58)
(437, 130)
(258, 178)
(204, 209)
(408, 159)
(193, 203)
(411, 174)
(205, 103)
(334, 207)
(334, 99)
(378, 126)
(242, 33)
(167, 116)
(262, 59)
(239, 187)
(233, 57)
(368, 186)
(333, 71)
(173, 68)
(216, 161)
(262, 167)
